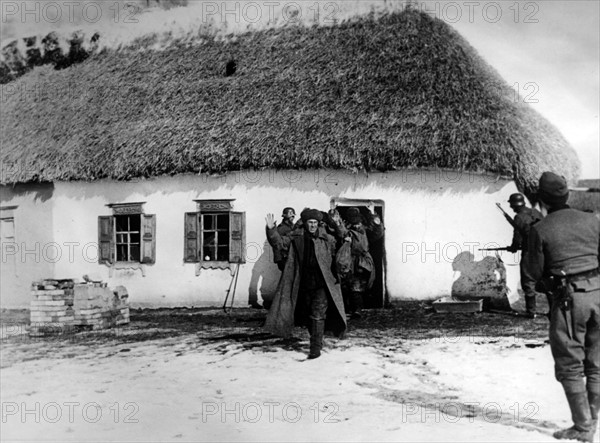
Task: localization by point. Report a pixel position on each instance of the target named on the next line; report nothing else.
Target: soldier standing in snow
(563, 256)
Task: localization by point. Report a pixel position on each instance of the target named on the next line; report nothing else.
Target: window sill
(214, 265)
(121, 265)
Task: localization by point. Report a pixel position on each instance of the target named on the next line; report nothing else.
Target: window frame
(194, 233)
(107, 235)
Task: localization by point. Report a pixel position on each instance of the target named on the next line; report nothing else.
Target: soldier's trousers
(528, 289)
(318, 303)
(577, 358)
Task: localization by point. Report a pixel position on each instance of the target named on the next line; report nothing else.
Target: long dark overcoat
(290, 307)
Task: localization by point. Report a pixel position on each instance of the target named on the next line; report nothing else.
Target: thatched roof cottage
(155, 169)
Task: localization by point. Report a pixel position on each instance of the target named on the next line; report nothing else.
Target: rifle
(506, 248)
(507, 217)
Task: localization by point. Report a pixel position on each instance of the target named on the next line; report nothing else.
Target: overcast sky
(551, 50)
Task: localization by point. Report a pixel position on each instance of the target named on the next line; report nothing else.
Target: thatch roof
(402, 90)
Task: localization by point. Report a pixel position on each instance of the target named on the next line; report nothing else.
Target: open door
(378, 294)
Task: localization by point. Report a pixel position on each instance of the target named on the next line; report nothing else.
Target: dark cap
(311, 214)
(553, 189)
(516, 200)
(353, 216)
(286, 210)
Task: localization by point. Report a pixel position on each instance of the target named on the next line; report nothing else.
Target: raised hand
(270, 219)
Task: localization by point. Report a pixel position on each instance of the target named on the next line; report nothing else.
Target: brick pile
(63, 305)
(52, 306)
(97, 306)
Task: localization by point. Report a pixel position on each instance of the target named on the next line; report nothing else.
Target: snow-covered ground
(206, 386)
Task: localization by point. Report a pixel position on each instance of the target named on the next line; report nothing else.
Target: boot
(594, 401)
(356, 304)
(530, 306)
(317, 328)
(582, 420)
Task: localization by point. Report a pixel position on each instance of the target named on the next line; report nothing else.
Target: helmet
(288, 210)
(516, 200)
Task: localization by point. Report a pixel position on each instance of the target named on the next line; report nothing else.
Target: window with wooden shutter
(215, 235)
(127, 236)
(191, 237)
(237, 237)
(106, 243)
(148, 238)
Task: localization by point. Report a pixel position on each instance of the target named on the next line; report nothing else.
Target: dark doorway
(377, 296)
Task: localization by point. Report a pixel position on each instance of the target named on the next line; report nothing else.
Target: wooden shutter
(106, 240)
(237, 237)
(191, 247)
(148, 239)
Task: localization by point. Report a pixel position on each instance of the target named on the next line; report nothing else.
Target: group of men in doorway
(312, 290)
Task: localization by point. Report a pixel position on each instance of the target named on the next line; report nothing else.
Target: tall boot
(594, 401)
(317, 328)
(356, 302)
(530, 305)
(582, 419)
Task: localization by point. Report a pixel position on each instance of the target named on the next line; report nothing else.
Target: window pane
(121, 238)
(209, 253)
(209, 250)
(224, 239)
(209, 238)
(135, 253)
(223, 253)
(121, 223)
(134, 238)
(209, 222)
(122, 253)
(135, 222)
(223, 222)
(7, 228)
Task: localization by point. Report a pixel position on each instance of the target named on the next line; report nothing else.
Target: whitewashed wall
(33, 254)
(430, 218)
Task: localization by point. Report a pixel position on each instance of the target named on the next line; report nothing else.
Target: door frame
(378, 203)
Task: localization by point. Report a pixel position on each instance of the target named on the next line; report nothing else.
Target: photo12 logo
(73, 12)
(472, 11)
(71, 412)
(254, 412)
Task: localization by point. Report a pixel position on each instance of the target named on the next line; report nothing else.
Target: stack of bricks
(97, 306)
(52, 306)
(62, 305)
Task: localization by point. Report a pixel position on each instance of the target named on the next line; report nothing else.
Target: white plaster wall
(430, 218)
(33, 255)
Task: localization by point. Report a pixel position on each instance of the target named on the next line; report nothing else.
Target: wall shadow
(484, 279)
(39, 191)
(264, 278)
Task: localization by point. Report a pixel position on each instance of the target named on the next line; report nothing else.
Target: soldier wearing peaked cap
(524, 218)
(563, 256)
(308, 293)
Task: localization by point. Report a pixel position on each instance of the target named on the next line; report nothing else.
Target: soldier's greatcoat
(290, 306)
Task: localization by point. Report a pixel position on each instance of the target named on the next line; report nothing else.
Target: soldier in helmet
(524, 218)
(280, 252)
(563, 258)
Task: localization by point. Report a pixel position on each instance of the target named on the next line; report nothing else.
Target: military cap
(553, 189)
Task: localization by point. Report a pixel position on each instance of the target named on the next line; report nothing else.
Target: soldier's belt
(574, 278)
